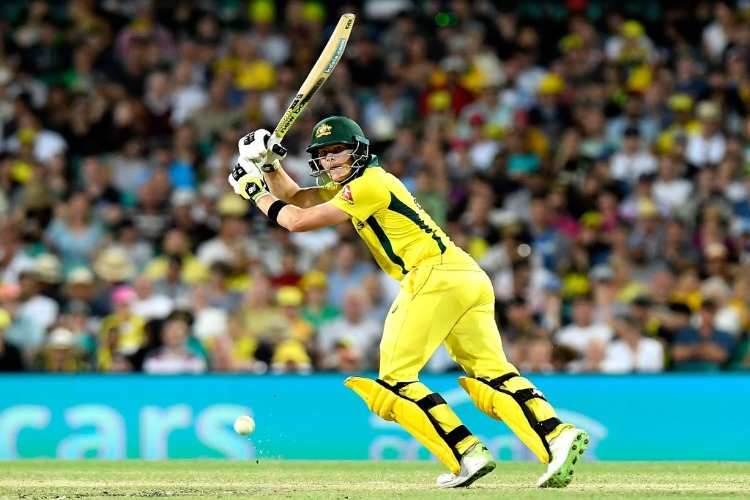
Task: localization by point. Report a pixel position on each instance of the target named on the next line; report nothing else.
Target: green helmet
(338, 130)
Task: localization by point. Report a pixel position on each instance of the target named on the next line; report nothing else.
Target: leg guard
(424, 414)
(514, 400)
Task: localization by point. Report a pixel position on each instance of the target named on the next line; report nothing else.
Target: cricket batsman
(444, 297)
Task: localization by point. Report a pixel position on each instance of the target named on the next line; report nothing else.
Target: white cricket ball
(244, 425)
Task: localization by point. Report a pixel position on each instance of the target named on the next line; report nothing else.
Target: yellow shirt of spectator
(249, 75)
(193, 270)
(124, 335)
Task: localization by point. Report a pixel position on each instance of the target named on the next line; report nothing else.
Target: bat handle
(275, 150)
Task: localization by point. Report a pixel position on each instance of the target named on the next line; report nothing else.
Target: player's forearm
(291, 217)
(281, 185)
(713, 352)
(286, 189)
(683, 352)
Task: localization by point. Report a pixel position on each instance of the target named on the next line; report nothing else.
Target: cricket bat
(318, 75)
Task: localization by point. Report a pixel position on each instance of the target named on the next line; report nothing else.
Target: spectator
(584, 329)
(632, 161)
(13, 257)
(631, 351)
(348, 271)
(290, 356)
(23, 332)
(703, 348)
(60, 354)
(148, 304)
(261, 319)
(129, 242)
(289, 300)
(113, 267)
(39, 308)
(706, 148)
(232, 234)
(715, 36)
(350, 340)
(176, 248)
(76, 317)
(122, 332)
(535, 355)
(174, 356)
(184, 215)
(75, 234)
(316, 309)
(290, 269)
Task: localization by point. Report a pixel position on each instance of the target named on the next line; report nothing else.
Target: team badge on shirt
(346, 193)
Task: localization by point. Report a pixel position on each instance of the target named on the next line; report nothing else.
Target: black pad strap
(430, 401)
(497, 382)
(521, 397)
(457, 435)
(524, 395)
(548, 426)
(395, 387)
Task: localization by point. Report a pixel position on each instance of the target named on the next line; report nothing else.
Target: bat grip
(275, 150)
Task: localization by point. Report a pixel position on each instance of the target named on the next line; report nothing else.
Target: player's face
(336, 159)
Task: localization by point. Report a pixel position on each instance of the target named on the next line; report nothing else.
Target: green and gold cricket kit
(445, 297)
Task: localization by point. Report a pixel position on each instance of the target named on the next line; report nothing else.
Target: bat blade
(327, 61)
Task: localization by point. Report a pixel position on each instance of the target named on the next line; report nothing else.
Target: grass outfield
(359, 480)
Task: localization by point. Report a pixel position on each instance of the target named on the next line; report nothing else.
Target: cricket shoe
(565, 452)
(475, 463)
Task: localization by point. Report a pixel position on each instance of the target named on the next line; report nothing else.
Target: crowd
(593, 156)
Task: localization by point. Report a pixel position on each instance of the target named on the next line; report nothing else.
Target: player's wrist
(256, 198)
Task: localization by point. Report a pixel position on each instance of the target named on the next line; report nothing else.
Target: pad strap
(426, 404)
(497, 382)
(549, 425)
(522, 396)
(457, 435)
(431, 401)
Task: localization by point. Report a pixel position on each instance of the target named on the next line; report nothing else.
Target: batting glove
(254, 148)
(247, 181)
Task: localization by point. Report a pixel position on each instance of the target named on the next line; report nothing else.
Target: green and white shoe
(475, 463)
(566, 450)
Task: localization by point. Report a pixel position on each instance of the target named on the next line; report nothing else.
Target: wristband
(274, 209)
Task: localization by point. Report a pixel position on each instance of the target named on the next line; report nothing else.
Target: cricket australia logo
(346, 193)
(324, 129)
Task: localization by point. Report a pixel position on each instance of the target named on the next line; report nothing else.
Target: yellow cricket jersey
(396, 229)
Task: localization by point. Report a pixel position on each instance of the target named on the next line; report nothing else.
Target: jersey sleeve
(361, 197)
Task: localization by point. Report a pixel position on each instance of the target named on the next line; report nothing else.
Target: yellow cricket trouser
(450, 300)
(447, 300)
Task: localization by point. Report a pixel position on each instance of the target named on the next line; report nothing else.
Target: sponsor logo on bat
(336, 56)
(297, 106)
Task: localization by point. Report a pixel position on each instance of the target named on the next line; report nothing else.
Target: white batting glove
(254, 148)
(247, 181)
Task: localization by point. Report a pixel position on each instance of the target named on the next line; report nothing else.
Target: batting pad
(515, 401)
(421, 412)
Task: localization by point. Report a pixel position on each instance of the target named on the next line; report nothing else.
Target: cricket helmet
(338, 130)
